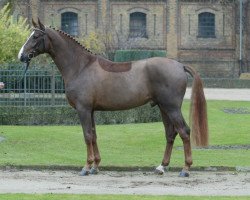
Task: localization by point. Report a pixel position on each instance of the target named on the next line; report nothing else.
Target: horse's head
(36, 43)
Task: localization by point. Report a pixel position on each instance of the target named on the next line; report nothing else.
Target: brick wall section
(213, 57)
(156, 22)
(224, 27)
(50, 12)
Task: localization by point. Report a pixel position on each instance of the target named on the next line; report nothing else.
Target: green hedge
(37, 115)
(68, 116)
(130, 55)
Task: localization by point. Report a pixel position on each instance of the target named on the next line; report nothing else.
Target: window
(69, 23)
(206, 25)
(137, 25)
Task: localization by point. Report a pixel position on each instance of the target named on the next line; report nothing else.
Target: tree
(100, 42)
(13, 34)
(107, 41)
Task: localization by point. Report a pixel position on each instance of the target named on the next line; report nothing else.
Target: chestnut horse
(94, 83)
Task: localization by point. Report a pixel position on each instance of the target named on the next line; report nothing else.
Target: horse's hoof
(94, 170)
(159, 170)
(84, 172)
(184, 174)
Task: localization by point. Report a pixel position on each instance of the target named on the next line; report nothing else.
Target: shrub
(130, 55)
(13, 34)
(12, 115)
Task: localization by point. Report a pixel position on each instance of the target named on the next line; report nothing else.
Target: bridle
(32, 54)
(37, 29)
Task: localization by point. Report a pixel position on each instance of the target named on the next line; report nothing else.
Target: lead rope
(21, 78)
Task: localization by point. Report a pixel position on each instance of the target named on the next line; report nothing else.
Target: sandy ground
(107, 182)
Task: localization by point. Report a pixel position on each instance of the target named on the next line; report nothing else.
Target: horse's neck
(68, 56)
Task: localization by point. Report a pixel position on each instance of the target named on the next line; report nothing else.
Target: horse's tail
(198, 110)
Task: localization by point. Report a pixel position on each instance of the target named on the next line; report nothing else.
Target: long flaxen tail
(198, 111)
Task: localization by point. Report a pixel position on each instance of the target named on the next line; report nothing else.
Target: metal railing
(38, 87)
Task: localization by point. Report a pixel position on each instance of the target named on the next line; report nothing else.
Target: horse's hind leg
(170, 134)
(175, 123)
(182, 128)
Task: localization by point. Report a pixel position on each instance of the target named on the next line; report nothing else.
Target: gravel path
(223, 94)
(199, 183)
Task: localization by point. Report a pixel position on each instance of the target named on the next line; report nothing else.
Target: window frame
(206, 25)
(138, 25)
(73, 20)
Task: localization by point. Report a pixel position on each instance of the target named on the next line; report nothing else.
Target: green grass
(111, 197)
(128, 145)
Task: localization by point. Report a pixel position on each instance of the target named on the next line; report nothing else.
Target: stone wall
(50, 13)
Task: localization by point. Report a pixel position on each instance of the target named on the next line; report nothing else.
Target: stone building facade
(201, 33)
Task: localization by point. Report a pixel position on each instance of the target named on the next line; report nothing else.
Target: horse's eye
(35, 37)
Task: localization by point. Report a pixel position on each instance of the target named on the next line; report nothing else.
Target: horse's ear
(34, 23)
(41, 26)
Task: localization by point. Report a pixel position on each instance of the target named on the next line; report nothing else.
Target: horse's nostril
(22, 58)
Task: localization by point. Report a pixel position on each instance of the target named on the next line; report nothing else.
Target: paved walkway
(223, 94)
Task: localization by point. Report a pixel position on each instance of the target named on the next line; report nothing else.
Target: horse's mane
(73, 39)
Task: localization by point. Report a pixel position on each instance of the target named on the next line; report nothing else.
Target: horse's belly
(120, 91)
(121, 101)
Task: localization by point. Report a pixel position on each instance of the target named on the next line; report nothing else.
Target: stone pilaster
(172, 20)
(34, 7)
(102, 13)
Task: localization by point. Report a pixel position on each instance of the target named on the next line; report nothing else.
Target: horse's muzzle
(25, 59)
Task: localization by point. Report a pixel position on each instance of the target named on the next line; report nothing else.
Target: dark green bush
(130, 55)
(68, 116)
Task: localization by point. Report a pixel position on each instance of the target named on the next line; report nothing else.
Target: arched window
(206, 25)
(69, 23)
(137, 25)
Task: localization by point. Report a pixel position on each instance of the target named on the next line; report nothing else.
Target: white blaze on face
(21, 50)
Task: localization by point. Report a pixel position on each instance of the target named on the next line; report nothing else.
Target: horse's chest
(78, 94)
(71, 97)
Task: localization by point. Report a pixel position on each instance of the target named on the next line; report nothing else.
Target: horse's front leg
(97, 159)
(86, 122)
